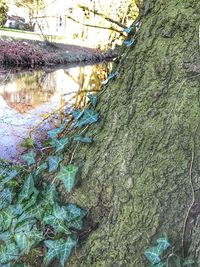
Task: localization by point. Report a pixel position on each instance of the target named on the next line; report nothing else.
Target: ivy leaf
(34, 212)
(28, 142)
(60, 249)
(24, 226)
(89, 116)
(129, 43)
(153, 254)
(163, 243)
(59, 144)
(66, 250)
(29, 157)
(83, 139)
(77, 113)
(41, 168)
(5, 236)
(8, 214)
(111, 76)
(50, 194)
(68, 176)
(93, 100)
(54, 162)
(54, 132)
(58, 225)
(54, 248)
(10, 174)
(8, 253)
(6, 180)
(128, 30)
(188, 262)
(32, 200)
(26, 240)
(56, 220)
(75, 216)
(27, 189)
(6, 197)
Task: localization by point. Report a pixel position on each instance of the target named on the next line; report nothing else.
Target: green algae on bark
(136, 177)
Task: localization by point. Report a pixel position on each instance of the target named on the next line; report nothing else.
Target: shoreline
(35, 54)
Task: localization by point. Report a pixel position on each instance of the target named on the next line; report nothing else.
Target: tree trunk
(141, 178)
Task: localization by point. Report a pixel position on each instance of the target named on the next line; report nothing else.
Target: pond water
(30, 102)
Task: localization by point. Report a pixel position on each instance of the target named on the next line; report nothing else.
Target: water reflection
(26, 98)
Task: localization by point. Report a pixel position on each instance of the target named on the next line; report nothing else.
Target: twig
(103, 16)
(94, 26)
(72, 157)
(192, 189)
(7, 75)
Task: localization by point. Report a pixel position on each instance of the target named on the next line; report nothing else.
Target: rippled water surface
(27, 98)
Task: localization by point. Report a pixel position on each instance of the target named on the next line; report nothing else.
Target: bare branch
(94, 26)
(103, 16)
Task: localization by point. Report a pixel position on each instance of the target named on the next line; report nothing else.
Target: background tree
(108, 15)
(32, 7)
(3, 12)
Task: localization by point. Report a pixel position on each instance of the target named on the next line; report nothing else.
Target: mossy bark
(137, 179)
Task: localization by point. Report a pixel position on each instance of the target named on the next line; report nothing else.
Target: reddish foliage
(21, 53)
(35, 53)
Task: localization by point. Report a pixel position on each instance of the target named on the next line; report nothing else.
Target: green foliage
(54, 162)
(188, 262)
(159, 255)
(77, 113)
(67, 175)
(28, 143)
(75, 215)
(128, 30)
(3, 12)
(129, 42)
(60, 249)
(27, 239)
(54, 132)
(7, 176)
(32, 6)
(93, 100)
(23, 220)
(59, 144)
(8, 252)
(41, 168)
(27, 189)
(89, 116)
(28, 209)
(83, 139)
(153, 254)
(29, 157)
(6, 198)
(110, 77)
(163, 243)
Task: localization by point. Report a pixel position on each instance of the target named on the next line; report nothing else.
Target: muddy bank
(37, 53)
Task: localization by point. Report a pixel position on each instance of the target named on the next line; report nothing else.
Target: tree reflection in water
(26, 91)
(27, 100)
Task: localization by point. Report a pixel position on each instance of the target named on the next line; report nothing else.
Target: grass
(20, 34)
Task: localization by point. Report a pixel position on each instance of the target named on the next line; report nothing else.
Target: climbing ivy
(163, 254)
(31, 213)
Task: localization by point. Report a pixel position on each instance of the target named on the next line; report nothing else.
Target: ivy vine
(31, 213)
(163, 255)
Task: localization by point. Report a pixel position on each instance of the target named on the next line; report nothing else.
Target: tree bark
(141, 178)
